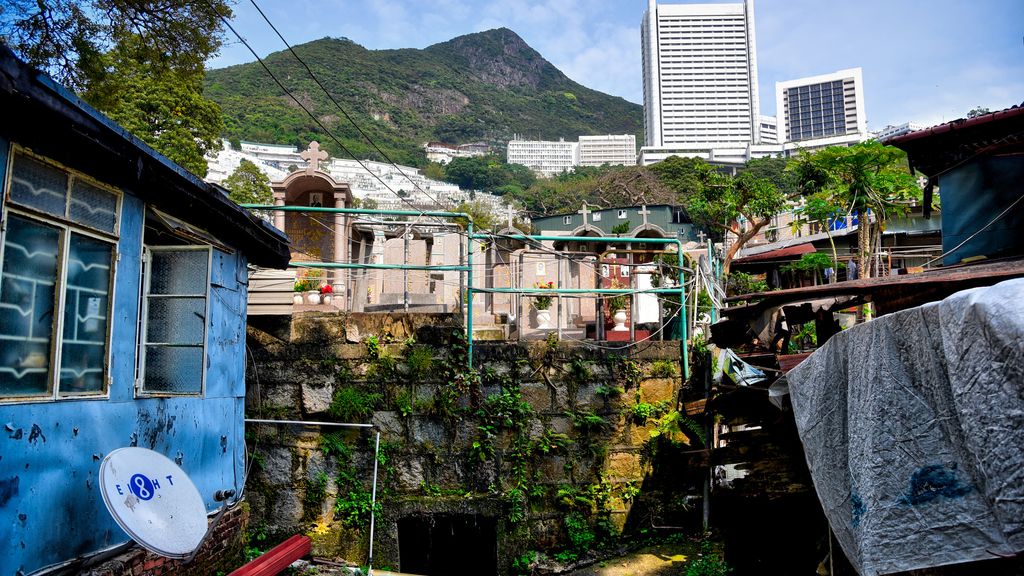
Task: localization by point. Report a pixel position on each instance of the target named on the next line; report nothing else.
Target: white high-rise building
(894, 130)
(769, 130)
(699, 79)
(819, 111)
(613, 149)
(544, 157)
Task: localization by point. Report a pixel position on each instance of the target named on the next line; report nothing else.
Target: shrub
(352, 404)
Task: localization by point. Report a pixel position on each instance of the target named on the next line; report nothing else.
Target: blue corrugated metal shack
(978, 166)
(122, 318)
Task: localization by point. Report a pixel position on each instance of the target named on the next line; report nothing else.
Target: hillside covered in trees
(484, 86)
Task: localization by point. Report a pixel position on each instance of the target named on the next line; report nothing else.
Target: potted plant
(542, 303)
(312, 286)
(326, 293)
(617, 307)
(300, 287)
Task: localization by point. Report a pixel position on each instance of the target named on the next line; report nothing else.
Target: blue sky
(924, 60)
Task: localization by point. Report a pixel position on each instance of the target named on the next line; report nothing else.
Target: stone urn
(298, 298)
(326, 297)
(619, 317)
(543, 319)
(313, 297)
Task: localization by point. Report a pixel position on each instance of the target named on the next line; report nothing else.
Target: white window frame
(623, 214)
(140, 383)
(566, 220)
(66, 227)
(596, 217)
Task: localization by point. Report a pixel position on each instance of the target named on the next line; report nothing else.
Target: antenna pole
(373, 505)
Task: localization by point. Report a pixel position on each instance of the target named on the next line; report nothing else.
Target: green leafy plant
(581, 535)
(418, 361)
(403, 404)
(315, 493)
(333, 444)
(523, 564)
(676, 427)
(587, 422)
(543, 302)
(606, 391)
(621, 228)
(617, 301)
(663, 369)
(708, 563)
(738, 283)
(643, 411)
(352, 404)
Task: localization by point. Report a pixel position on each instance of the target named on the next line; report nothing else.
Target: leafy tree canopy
(248, 185)
(161, 105)
(869, 178)
(68, 38)
(141, 63)
(487, 173)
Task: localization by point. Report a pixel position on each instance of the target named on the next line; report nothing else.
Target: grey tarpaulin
(913, 428)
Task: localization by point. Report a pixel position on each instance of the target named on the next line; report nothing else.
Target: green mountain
(484, 86)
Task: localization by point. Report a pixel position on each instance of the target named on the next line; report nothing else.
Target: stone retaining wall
(538, 431)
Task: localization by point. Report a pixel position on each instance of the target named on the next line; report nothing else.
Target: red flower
(326, 289)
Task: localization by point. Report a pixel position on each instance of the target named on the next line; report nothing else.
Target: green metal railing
(468, 268)
(681, 289)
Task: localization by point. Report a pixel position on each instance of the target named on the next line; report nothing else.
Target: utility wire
(338, 106)
(306, 110)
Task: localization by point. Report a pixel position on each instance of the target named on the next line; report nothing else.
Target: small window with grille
(175, 320)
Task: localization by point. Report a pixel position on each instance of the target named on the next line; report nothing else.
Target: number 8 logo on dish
(141, 486)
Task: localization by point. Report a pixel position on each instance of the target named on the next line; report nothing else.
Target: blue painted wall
(51, 509)
(975, 193)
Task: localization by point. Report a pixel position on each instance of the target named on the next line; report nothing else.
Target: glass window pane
(93, 207)
(179, 272)
(86, 301)
(39, 186)
(176, 321)
(27, 306)
(174, 369)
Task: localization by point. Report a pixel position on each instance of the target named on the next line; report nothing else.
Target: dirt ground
(656, 560)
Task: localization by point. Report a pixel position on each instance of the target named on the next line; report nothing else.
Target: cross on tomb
(584, 210)
(511, 216)
(643, 212)
(701, 236)
(313, 156)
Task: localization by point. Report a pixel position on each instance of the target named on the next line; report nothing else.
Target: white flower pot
(543, 319)
(297, 298)
(312, 297)
(619, 317)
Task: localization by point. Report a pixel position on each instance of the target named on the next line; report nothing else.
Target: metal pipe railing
(681, 290)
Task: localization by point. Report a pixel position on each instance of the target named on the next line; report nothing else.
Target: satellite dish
(154, 501)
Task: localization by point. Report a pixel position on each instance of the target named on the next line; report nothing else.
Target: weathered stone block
(389, 425)
(638, 435)
(560, 424)
(426, 431)
(552, 470)
(316, 399)
(587, 398)
(410, 474)
(538, 395)
(623, 466)
(657, 389)
(277, 465)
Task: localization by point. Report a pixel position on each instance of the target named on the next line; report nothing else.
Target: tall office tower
(700, 75)
(822, 110)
